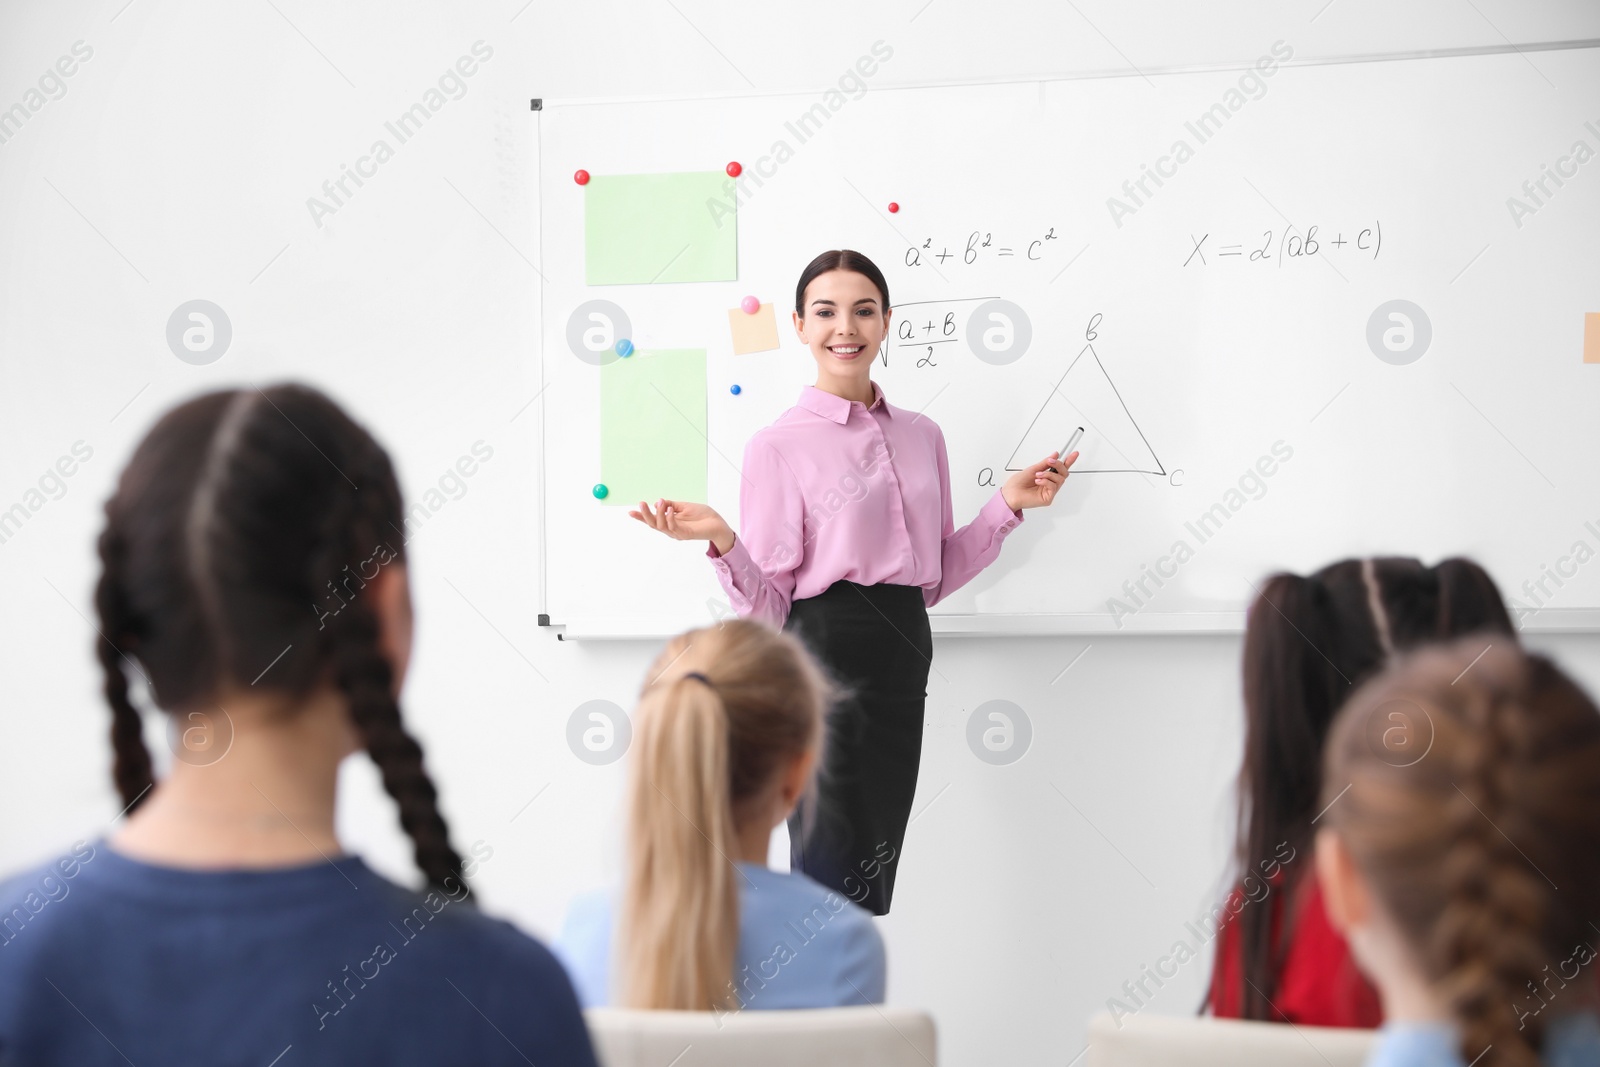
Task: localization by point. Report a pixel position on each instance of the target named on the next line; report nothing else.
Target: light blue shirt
(801, 945)
(1570, 1041)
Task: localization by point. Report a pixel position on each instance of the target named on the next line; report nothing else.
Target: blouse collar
(837, 408)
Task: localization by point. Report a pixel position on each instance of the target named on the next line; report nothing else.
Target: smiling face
(844, 323)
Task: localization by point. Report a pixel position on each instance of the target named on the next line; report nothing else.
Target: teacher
(848, 539)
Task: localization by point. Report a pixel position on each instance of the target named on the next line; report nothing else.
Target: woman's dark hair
(236, 548)
(840, 259)
(1309, 641)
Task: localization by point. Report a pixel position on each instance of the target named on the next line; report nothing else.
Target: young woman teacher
(848, 540)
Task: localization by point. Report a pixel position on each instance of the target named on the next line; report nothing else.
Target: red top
(1318, 984)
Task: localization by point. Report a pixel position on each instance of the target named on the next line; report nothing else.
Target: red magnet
(582, 177)
(734, 170)
(893, 207)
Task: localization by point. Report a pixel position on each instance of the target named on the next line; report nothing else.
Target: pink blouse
(836, 489)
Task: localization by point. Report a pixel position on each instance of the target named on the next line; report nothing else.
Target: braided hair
(1464, 847)
(1309, 642)
(235, 552)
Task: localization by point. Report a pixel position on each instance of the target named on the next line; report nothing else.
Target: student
(254, 582)
(1468, 880)
(726, 735)
(846, 538)
(1308, 642)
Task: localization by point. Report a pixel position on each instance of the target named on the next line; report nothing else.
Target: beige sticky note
(753, 333)
(1591, 337)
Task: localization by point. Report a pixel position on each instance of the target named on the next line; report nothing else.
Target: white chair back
(868, 1036)
(1164, 1041)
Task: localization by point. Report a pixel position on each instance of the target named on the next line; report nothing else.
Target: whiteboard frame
(1096, 75)
(1042, 624)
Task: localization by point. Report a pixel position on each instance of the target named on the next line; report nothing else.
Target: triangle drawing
(1084, 396)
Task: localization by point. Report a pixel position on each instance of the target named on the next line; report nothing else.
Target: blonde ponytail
(722, 711)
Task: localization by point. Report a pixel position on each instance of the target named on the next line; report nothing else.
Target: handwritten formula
(980, 246)
(1287, 245)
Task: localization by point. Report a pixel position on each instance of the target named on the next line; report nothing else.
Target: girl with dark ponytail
(1309, 641)
(254, 587)
(1467, 878)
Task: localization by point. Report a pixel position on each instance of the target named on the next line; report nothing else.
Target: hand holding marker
(1066, 449)
(1036, 486)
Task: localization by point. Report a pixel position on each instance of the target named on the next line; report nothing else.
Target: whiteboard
(1225, 333)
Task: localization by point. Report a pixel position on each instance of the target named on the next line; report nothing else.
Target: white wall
(177, 165)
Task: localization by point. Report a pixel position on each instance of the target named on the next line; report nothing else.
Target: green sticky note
(653, 427)
(640, 229)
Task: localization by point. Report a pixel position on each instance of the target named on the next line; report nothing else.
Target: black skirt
(875, 642)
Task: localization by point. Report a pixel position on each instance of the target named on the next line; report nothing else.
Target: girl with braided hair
(1309, 641)
(254, 585)
(727, 731)
(1466, 874)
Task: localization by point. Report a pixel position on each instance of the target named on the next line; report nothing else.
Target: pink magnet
(750, 305)
(734, 170)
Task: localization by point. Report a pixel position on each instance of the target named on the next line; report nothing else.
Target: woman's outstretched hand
(1036, 487)
(684, 520)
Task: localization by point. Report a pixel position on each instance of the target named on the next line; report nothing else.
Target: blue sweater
(801, 945)
(107, 960)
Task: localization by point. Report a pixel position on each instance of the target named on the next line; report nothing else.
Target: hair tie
(697, 676)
